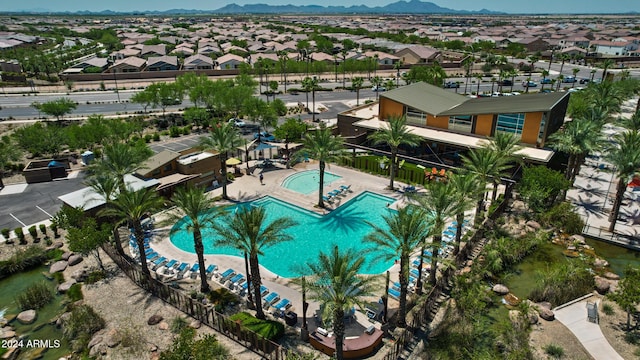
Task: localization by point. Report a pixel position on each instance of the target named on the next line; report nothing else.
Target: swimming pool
(314, 233)
(306, 182)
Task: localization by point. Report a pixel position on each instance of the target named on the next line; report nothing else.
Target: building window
(511, 124)
(542, 128)
(416, 117)
(460, 123)
(168, 167)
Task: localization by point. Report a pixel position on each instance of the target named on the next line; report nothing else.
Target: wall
(144, 75)
(389, 108)
(484, 124)
(440, 122)
(531, 128)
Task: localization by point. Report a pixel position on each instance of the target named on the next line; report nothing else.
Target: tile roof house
(153, 50)
(229, 61)
(198, 62)
(130, 64)
(162, 63)
(418, 55)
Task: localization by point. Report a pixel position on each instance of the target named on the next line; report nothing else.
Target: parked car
(451, 85)
(584, 81)
(378, 88)
(545, 81)
(529, 84)
(569, 79)
(505, 82)
(264, 136)
(237, 122)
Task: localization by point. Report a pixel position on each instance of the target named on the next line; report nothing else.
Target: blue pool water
(314, 233)
(306, 182)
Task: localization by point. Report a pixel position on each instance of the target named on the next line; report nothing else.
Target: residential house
(533, 44)
(163, 63)
(383, 58)
(153, 50)
(130, 64)
(124, 53)
(418, 55)
(198, 62)
(450, 123)
(229, 61)
(93, 62)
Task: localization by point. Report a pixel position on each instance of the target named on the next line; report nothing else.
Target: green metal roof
(426, 98)
(524, 103)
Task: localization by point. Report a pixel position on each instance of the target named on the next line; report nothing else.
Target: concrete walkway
(574, 317)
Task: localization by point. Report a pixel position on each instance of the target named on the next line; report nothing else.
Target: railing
(628, 241)
(203, 313)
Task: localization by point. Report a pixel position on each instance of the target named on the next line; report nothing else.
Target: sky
(509, 6)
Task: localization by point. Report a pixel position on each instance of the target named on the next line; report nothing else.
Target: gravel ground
(553, 332)
(613, 327)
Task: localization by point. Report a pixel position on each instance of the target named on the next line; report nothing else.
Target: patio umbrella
(233, 161)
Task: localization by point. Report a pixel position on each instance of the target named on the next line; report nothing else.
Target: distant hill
(400, 7)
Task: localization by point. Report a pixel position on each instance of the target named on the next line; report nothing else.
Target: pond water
(617, 256)
(41, 329)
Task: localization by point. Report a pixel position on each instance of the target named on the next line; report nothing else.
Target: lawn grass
(268, 329)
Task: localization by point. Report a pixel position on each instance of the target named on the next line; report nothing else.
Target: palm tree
(485, 164)
(200, 209)
(575, 72)
(625, 157)
(533, 59)
(223, 138)
(249, 231)
(106, 185)
(632, 123)
(506, 145)
(439, 204)
(563, 58)
(466, 190)
(406, 230)
(338, 287)
(606, 64)
(578, 138)
(324, 147)
(376, 81)
(545, 73)
(479, 78)
(311, 84)
(357, 84)
(393, 135)
(605, 96)
(119, 159)
(8, 153)
(467, 63)
(129, 207)
(397, 66)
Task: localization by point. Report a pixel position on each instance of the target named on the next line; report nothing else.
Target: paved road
(38, 202)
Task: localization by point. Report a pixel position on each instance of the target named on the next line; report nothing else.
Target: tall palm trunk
(223, 167)
(404, 283)
(620, 189)
(419, 281)
(117, 242)
(321, 189)
(197, 240)
(494, 193)
(459, 220)
(437, 240)
(392, 170)
(338, 331)
(139, 234)
(313, 100)
(568, 174)
(255, 279)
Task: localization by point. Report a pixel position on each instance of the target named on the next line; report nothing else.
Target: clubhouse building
(451, 123)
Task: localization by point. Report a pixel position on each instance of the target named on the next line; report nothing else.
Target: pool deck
(248, 187)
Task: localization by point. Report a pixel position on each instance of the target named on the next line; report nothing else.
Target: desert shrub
(186, 130)
(563, 216)
(607, 309)
(80, 326)
(268, 329)
(35, 296)
(221, 298)
(632, 337)
(5, 233)
(43, 229)
(147, 138)
(186, 346)
(75, 292)
(178, 323)
(33, 232)
(555, 351)
(174, 131)
(562, 282)
(20, 235)
(156, 137)
(95, 276)
(133, 341)
(54, 228)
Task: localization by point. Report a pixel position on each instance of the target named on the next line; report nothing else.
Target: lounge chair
(394, 294)
(396, 286)
(328, 199)
(242, 288)
(334, 193)
(211, 270)
(415, 263)
(152, 256)
(263, 290)
(270, 299)
(226, 275)
(182, 269)
(171, 264)
(415, 273)
(159, 262)
(195, 270)
(283, 304)
(345, 188)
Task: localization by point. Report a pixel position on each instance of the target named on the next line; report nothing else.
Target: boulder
(543, 305)
(7, 334)
(577, 238)
(154, 319)
(602, 285)
(533, 224)
(58, 244)
(95, 340)
(611, 276)
(100, 349)
(80, 275)
(600, 263)
(62, 318)
(27, 316)
(163, 325)
(195, 324)
(500, 289)
(75, 260)
(546, 314)
(66, 255)
(58, 266)
(113, 338)
(65, 286)
(533, 318)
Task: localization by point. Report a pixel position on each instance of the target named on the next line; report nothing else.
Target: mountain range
(400, 7)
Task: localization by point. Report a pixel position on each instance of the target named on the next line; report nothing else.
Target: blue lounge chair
(263, 290)
(414, 272)
(159, 262)
(270, 299)
(182, 269)
(227, 274)
(396, 286)
(345, 188)
(394, 294)
(210, 269)
(151, 256)
(334, 193)
(172, 263)
(242, 288)
(328, 199)
(283, 304)
(415, 263)
(195, 267)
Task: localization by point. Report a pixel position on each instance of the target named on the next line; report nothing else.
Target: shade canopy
(233, 161)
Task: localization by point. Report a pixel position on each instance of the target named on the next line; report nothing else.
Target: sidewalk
(574, 317)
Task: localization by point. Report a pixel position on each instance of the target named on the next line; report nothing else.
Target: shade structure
(233, 161)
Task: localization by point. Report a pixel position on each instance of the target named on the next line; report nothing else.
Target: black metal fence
(199, 311)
